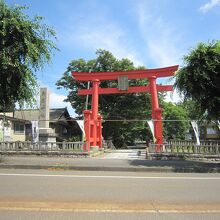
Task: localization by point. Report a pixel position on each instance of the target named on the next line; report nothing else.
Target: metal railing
(188, 147)
(40, 146)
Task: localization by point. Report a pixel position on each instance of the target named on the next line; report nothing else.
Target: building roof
(13, 118)
(33, 114)
(59, 113)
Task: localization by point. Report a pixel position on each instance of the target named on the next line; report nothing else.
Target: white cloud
(162, 39)
(57, 101)
(107, 37)
(99, 33)
(173, 97)
(209, 5)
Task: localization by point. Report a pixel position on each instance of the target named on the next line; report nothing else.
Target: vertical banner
(151, 125)
(1, 130)
(196, 131)
(81, 125)
(5, 130)
(35, 131)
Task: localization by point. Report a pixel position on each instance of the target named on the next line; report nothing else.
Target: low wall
(41, 147)
(188, 147)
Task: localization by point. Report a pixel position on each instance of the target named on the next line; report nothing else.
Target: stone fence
(28, 146)
(189, 147)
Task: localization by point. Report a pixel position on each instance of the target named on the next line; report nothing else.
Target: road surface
(52, 194)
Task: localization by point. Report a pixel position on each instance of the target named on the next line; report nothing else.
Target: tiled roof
(33, 114)
(12, 118)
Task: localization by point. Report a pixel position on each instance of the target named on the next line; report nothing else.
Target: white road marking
(43, 209)
(111, 177)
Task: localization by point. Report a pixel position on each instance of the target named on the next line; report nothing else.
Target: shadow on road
(178, 165)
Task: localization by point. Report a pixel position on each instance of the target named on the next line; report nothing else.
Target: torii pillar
(156, 113)
(95, 104)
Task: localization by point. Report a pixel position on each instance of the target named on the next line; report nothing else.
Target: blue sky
(153, 33)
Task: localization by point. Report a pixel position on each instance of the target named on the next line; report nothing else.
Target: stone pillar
(46, 134)
(44, 115)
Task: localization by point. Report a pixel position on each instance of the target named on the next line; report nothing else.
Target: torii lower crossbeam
(133, 89)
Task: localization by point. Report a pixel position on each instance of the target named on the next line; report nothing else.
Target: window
(212, 131)
(64, 130)
(19, 128)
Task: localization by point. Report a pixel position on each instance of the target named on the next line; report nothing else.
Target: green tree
(25, 47)
(175, 121)
(199, 79)
(194, 111)
(112, 107)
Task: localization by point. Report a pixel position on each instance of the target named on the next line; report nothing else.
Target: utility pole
(3, 123)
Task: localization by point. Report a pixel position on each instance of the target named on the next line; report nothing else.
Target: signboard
(123, 82)
(35, 131)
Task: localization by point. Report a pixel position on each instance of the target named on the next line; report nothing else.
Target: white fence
(41, 146)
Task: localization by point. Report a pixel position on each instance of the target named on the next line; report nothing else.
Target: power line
(128, 120)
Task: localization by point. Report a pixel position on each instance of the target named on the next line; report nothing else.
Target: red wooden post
(156, 113)
(95, 103)
(99, 131)
(87, 127)
(158, 129)
(133, 89)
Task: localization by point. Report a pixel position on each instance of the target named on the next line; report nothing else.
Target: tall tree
(199, 78)
(25, 46)
(112, 107)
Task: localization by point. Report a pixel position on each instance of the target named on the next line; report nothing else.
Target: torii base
(93, 140)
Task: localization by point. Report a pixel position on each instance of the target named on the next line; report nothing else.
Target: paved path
(45, 194)
(131, 154)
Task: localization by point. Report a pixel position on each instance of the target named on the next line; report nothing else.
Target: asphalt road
(21, 215)
(49, 194)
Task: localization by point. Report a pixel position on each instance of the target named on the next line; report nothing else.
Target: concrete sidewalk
(100, 164)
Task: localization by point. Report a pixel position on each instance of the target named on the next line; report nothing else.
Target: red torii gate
(93, 121)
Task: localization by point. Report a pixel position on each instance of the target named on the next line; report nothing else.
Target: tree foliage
(111, 107)
(194, 111)
(175, 121)
(25, 46)
(199, 79)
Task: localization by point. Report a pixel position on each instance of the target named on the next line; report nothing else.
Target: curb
(117, 169)
(87, 168)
